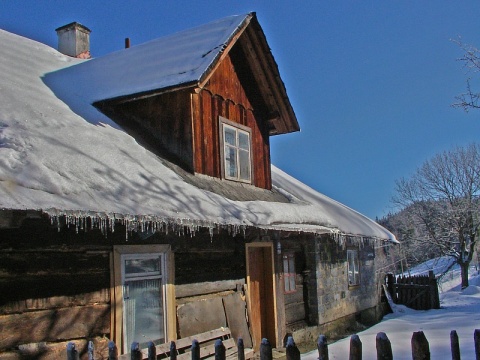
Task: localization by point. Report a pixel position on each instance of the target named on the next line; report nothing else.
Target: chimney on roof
(74, 40)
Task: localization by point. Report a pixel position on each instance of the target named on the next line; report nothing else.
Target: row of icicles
(106, 224)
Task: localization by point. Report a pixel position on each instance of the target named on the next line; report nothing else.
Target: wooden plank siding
(162, 123)
(225, 96)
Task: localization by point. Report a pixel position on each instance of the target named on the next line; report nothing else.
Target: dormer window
(236, 151)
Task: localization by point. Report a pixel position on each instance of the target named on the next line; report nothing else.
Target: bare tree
(471, 61)
(443, 201)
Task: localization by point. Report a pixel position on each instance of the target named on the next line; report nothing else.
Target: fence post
(391, 287)
(434, 297)
(135, 353)
(72, 353)
(355, 348)
(476, 339)
(420, 346)
(292, 350)
(152, 351)
(322, 348)
(219, 350)
(384, 348)
(112, 351)
(265, 350)
(173, 350)
(455, 345)
(91, 350)
(241, 349)
(195, 350)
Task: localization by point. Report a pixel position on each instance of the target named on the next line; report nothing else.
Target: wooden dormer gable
(219, 124)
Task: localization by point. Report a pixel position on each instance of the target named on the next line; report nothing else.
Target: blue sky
(371, 82)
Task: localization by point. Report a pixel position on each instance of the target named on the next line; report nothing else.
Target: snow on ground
(460, 311)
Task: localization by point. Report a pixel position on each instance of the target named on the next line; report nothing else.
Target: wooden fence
(266, 353)
(420, 347)
(417, 292)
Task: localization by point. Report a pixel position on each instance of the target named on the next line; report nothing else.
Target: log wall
(50, 295)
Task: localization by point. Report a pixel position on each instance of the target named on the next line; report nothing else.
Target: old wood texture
(198, 346)
(418, 292)
(292, 351)
(455, 345)
(57, 293)
(420, 346)
(296, 302)
(384, 347)
(51, 325)
(261, 296)
(162, 123)
(355, 348)
(235, 310)
(228, 94)
(322, 347)
(200, 316)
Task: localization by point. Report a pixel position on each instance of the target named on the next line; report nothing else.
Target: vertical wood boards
(225, 96)
(261, 290)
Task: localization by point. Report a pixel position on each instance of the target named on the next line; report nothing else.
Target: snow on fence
(292, 351)
(420, 346)
(418, 292)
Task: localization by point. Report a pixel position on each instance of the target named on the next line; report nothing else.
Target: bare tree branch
(442, 200)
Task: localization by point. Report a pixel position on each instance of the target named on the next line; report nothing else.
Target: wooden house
(138, 201)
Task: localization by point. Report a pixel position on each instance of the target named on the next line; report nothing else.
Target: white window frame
(117, 318)
(353, 267)
(239, 130)
(160, 275)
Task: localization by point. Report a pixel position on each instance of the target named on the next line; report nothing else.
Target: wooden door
(261, 289)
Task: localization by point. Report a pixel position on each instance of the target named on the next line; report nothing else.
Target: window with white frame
(289, 272)
(353, 267)
(143, 291)
(236, 152)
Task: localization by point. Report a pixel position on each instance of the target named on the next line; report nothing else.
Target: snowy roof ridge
(65, 161)
(178, 59)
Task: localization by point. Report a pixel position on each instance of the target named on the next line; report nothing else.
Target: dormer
(214, 97)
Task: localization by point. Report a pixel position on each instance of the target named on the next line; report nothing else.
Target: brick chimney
(74, 40)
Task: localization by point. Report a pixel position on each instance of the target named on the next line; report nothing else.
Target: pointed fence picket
(292, 352)
(419, 343)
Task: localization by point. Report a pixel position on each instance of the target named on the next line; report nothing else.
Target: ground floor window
(289, 273)
(141, 296)
(353, 267)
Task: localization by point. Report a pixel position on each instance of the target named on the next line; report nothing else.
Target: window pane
(236, 156)
(291, 264)
(230, 136)
(144, 311)
(230, 161)
(243, 140)
(287, 283)
(292, 282)
(244, 160)
(353, 267)
(141, 267)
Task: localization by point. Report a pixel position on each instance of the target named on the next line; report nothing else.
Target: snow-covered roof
(62, 156)
(170, 61)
